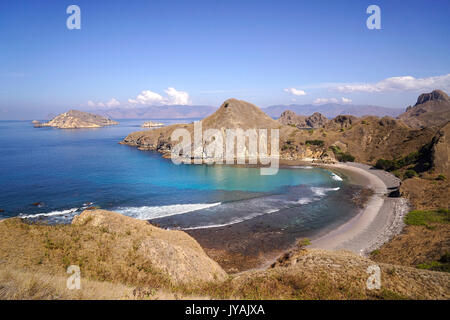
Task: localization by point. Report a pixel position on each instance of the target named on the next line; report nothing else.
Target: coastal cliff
(74, 119)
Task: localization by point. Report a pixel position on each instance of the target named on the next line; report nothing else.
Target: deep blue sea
(54, 174)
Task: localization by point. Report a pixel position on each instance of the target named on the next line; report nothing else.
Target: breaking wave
(322, 191)
(335, 177)
(148, 213)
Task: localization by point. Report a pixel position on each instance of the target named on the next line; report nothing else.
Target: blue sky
(133, 53)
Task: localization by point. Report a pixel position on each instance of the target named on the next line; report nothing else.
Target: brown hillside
(108, 247)
(367, 139)
(115, 252)
(232, 114)
(431, 109)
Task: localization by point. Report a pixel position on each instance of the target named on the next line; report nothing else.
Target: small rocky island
(151, 124)
(74, 119)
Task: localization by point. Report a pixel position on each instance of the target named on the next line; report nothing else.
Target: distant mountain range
(158, 112)
(330, 110)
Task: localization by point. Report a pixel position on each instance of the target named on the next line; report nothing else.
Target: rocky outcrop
(441, 151)
(316, 120)
(290, 118)
(74, 119)
(436, 95)
(151, 124)
(173, 253)
(341, 122)
(431, 109)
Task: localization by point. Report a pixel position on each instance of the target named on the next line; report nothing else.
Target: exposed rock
(431, 109)
(434, 95)
(342, 122)
(290, 118)
(316, 120)
(74, 119)
(151, 124)
(441, 151)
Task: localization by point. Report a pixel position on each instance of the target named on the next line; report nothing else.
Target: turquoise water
(66, 171)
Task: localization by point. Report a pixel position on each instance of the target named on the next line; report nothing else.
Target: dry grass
(34, 258)
(20, 285)
(101, 255)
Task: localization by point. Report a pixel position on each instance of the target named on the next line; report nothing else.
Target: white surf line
(155, 212)
(355, 226)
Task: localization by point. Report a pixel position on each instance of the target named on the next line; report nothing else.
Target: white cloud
(111, 103)
(295, 92)
(147, 97)
(177, 97)
(403, 83)
(325, 100)
(174, 97)
(346, 100)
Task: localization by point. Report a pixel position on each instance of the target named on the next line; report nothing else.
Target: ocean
(50, 175)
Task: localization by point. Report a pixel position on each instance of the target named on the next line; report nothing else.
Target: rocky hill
(74, 119)
(331, 110)
(431, 109)
(316, 120)
(344, 138)
(232, 114)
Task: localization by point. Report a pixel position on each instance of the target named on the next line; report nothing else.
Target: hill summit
(431, 109)
(235, 113)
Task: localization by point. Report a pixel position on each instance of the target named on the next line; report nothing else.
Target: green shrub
(441, 177)
(342, 156)
(409, 174)
(315, 142)
(425, 217)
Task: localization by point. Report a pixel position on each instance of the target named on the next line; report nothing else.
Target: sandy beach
(377, 223)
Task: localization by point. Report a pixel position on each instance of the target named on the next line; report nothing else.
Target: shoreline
(377, 223)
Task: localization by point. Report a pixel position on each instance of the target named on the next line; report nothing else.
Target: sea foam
(147, 212)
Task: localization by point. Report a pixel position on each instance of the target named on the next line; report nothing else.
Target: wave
(301, 167)
(148, 213)
(322, 191)
(235, 221)
(305, 200)
(335, 177)
(49, 214)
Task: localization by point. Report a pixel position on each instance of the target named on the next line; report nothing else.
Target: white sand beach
(377, 223)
